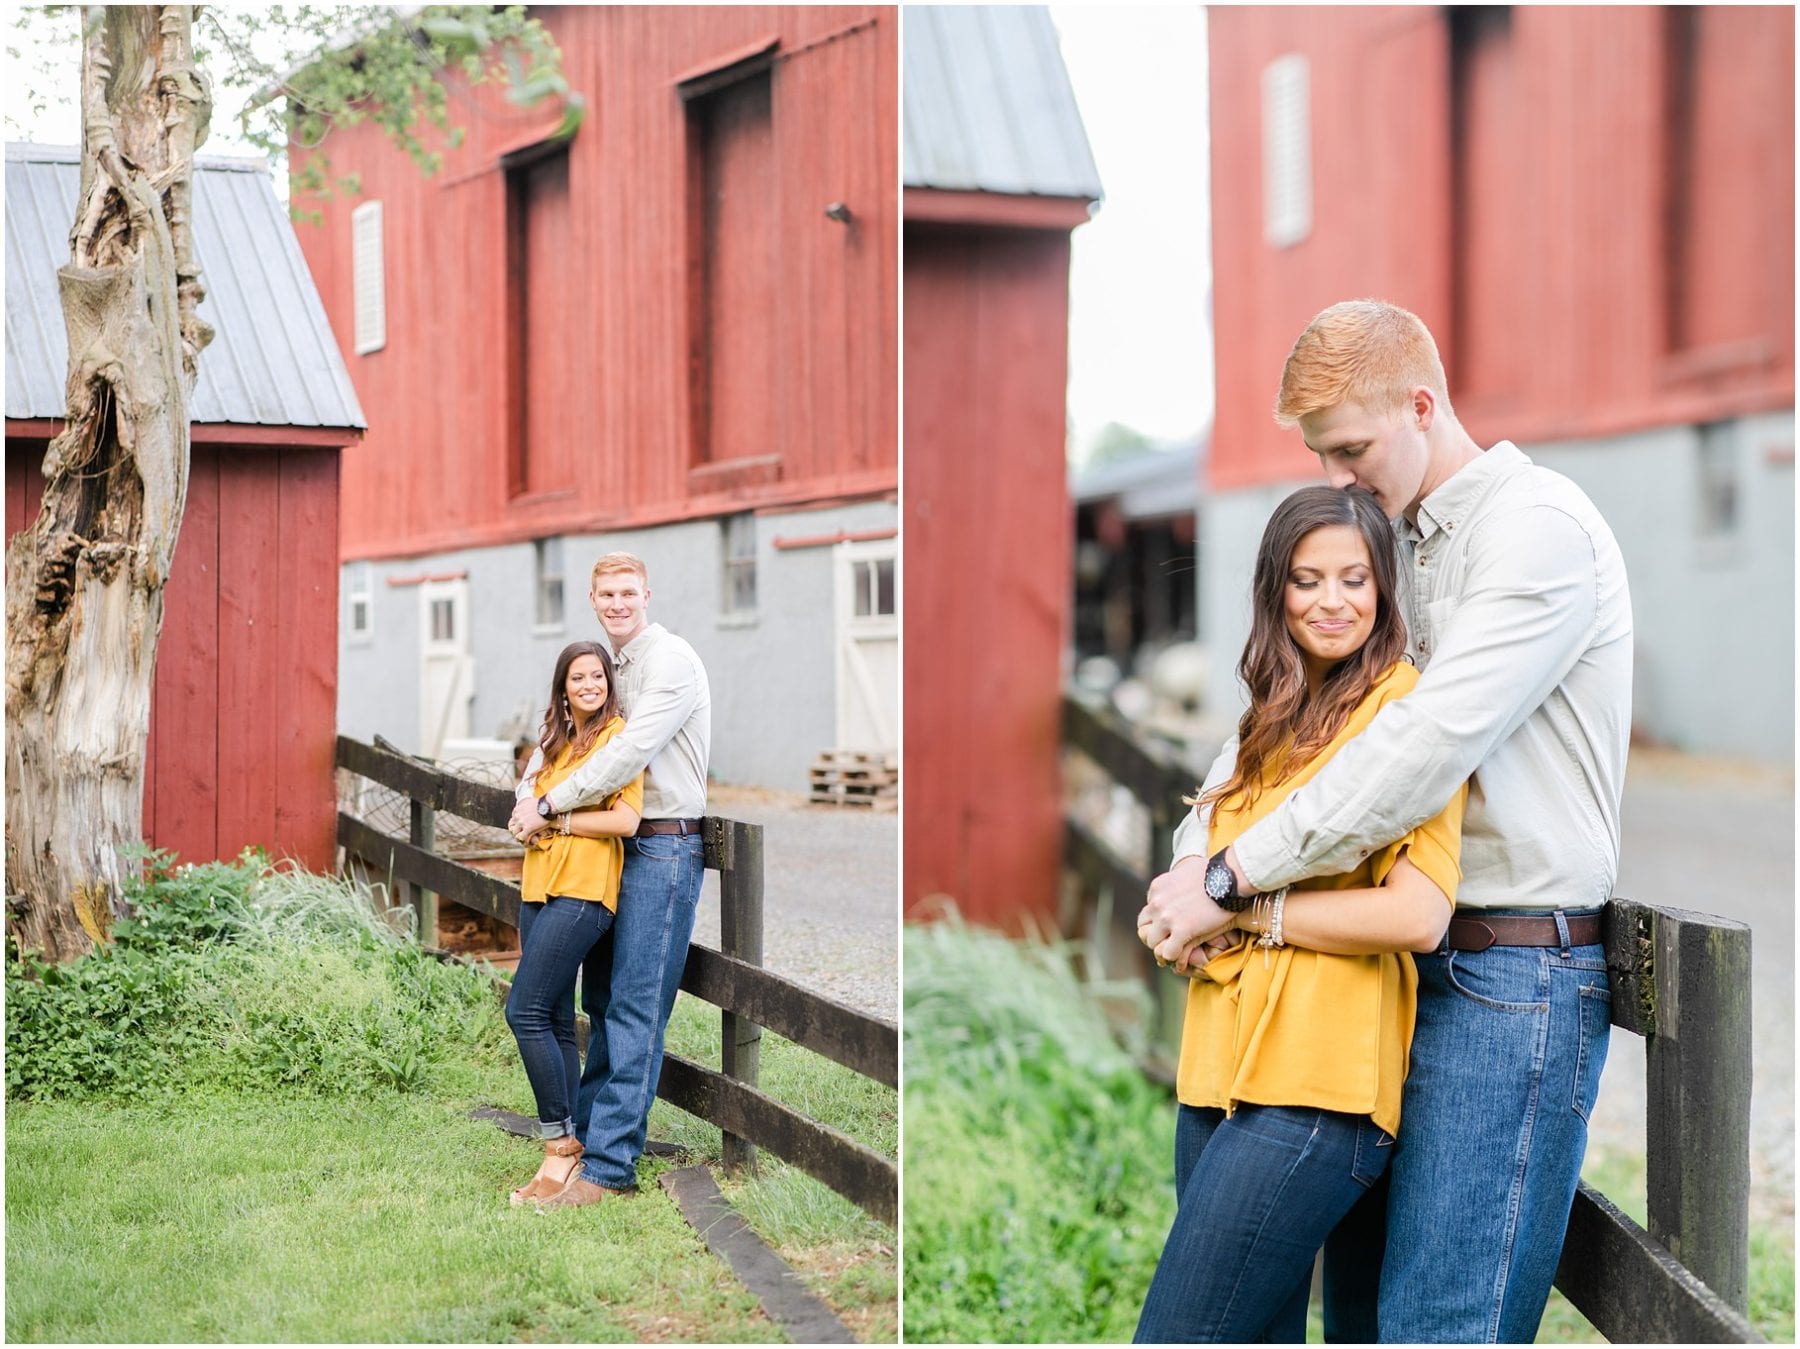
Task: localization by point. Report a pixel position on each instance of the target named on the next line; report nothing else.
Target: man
(1520, 620)
(629, 981)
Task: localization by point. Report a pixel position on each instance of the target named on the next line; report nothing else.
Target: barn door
(447, 676)
(868, 646)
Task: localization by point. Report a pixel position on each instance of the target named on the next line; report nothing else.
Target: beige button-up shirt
(1520, 621)
(667, 706)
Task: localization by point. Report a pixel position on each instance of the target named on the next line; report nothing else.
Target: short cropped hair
(1363, 351)
(612, 562)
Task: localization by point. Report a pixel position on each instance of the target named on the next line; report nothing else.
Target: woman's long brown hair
(555, 736)
(1283, 720)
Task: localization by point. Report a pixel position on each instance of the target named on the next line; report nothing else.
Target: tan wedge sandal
(562, 1160)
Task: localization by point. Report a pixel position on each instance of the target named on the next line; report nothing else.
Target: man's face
(619, 598)
(1382, 452)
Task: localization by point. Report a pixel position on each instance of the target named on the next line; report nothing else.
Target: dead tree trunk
(84, 592)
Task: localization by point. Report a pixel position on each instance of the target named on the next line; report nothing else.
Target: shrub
(241, 975)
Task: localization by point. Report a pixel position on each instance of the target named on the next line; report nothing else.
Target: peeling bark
(84, 590)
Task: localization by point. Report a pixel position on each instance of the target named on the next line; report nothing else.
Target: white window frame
(359, 594)
(547, 569)
(369, 277)
(1287, 151)
(737, 557)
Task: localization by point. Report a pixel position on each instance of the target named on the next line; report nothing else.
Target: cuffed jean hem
(554, 1129)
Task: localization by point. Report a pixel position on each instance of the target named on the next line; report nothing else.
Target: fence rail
(1679, 979)
(748, 996)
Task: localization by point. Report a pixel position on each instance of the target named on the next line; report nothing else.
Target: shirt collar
(1456, 500)
(637, 646)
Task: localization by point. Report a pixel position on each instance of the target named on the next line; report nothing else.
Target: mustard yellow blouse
(1299, 1027)
(566, 864)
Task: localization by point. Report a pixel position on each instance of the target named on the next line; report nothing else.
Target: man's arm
(671, 690)
(1531, 610)
(1191, 834)
(1177, 899)
(526, 787)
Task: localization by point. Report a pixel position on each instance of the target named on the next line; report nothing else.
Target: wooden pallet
(866, 779)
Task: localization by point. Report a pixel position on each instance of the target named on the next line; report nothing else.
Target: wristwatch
(544, 806)
(1221, 885)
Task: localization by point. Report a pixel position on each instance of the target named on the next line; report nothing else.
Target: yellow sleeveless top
(1302, 1027)
(566, 864)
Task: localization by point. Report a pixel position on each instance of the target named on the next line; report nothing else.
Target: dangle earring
(568, 717)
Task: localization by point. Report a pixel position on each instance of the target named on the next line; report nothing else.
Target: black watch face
(1219, 880)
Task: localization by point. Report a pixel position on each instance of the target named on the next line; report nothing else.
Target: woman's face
(585, 686)
(1330, 597)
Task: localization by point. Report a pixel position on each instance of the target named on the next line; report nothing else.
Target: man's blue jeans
(1505, 1067)
(628, 988)
(555, 937)
(1257, 1195)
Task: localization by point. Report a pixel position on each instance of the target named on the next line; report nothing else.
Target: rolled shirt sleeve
(1191, 834)
(1527, 611)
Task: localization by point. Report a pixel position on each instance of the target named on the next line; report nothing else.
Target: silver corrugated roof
(272, 362)
(988, 106)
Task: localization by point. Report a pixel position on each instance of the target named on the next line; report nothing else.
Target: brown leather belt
(667, 827)
(1470, 933)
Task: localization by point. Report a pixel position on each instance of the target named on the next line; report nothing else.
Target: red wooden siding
(987, 560)
(243, 712)
(801, 345)
(1591, 207)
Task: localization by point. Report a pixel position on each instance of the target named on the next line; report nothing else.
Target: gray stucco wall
(1714, 616)
(772, 675)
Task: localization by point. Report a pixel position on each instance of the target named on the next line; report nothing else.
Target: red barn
(673, 333)
(997, 173)
(1593, 209)
(242, 723)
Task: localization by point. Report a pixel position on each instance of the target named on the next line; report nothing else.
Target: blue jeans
(628, 988)
(1257, 1194)
(554, 938)
(1505, 1067)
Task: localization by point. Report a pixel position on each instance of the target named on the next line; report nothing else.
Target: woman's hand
(526, 821)
(1195, 958)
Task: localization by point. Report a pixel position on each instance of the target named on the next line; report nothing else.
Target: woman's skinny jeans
(1257, 1195)
(554, 938)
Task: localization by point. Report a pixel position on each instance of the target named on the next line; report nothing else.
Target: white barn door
(447, 673)
(868, 645)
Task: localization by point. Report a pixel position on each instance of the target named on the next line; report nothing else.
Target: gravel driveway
(1718, 837)
(831, 895)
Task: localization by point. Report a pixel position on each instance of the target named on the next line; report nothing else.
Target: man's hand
(1178, 913)
(526, 821)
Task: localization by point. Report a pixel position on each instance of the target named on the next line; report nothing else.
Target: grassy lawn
(236, 1198)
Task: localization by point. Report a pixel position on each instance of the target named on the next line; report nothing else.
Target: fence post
(1697, 1099)
(424, 902)
(741, 936)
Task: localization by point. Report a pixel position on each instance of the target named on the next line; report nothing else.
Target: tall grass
(1037, 1156)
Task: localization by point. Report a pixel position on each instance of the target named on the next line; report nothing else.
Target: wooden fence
(748, 996)
(1679, 979)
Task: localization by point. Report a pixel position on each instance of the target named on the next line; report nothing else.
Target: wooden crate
(867, 779)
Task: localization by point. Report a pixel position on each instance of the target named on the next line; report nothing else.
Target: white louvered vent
(370, 279)
(1287, 151)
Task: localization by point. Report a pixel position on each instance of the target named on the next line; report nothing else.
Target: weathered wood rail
(749, 997)
(1681, 980)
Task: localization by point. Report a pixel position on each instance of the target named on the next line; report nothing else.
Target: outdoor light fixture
(838, 212)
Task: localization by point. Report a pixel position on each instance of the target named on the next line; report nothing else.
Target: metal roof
(272, 361)
(1159, 482)
(987, 104)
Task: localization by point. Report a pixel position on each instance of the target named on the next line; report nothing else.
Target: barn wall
(1596, 251)
(987, 567)
(772, 677)
(808, 359)
(242, 718)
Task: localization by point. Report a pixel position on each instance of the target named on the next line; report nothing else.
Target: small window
(443, 620)
(1287, 151)
(1719, 496)
(368, 278)
(873, 583)
(739, 588)
(549, 566)
(360, 591)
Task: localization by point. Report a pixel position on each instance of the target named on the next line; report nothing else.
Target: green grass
(297, 1162)
(1037, 1157)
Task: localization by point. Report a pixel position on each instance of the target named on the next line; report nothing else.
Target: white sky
(1140, 309)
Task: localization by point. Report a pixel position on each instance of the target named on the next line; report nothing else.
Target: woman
(569, 893)
(1294, 1046)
